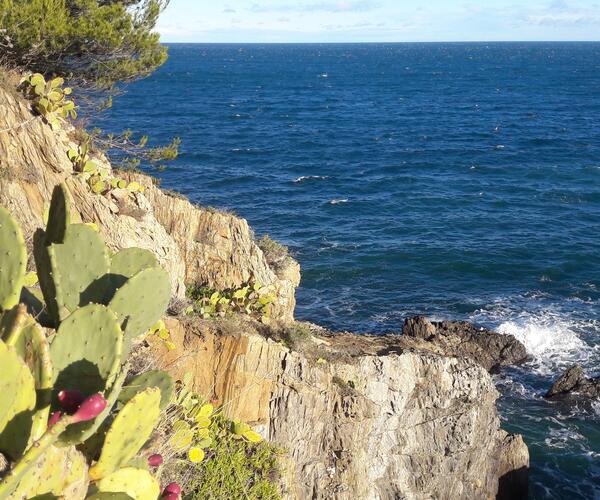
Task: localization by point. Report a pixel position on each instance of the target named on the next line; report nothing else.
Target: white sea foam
(563, 437)
(552, 342)
(337, 202)
(552, 335)
(310, 178)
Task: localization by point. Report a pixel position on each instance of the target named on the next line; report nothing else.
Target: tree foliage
(95, 42)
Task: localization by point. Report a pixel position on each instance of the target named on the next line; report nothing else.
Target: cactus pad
(109, 496)
(13, 260)
(17, 387)
(44, 270)
(141, 301)
(139, 484)
(59, 471)
(77, 266)
(130, 430)
(152, 378)
(130, 261)
(86, 350)
(31, 344)
(58, 215)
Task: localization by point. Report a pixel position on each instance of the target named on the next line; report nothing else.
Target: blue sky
(379, 20)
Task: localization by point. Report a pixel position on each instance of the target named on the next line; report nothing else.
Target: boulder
(573, 382)
(462, 339)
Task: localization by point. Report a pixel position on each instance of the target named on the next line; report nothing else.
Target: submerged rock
(573, 382)
(460, 338)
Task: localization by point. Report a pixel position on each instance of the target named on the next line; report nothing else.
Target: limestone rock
(194, 245)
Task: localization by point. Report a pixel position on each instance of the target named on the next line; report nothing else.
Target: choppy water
(454, 180)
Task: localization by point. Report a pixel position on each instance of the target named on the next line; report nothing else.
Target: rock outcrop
(459, 338)
(362, 417)
(195, 245)
(573, 382)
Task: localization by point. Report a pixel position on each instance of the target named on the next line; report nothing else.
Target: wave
(553, 343)
(310, 178)
(553, 335)
(337, 202)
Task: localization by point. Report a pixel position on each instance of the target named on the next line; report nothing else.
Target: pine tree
(93, 42)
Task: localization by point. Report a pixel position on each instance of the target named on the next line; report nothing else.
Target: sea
(455, 180)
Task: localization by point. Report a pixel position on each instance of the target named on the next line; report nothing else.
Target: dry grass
(9, 80)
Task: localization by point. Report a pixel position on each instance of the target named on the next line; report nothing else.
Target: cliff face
(361, 417)
(373, 418)
(194, 245)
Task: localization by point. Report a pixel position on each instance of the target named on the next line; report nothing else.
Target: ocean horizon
(459, 180)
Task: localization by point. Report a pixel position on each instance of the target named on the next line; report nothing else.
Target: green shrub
(295, 335)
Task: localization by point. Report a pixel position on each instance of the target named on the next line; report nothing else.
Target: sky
(295, 21)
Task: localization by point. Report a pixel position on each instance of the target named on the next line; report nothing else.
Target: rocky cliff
(361, 417)
(196, 245)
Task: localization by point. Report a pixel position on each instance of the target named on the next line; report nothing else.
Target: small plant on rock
(98, 178)
(49, 98)
(252, 299)
(212, 456)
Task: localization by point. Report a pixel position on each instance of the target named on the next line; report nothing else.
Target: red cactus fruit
(70, 400)
(155, 460)
(55, 417)
(172, 488)
(90, 408)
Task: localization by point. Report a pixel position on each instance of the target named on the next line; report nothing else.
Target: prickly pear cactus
(86, 350)
(77, 266)
(128, 433)
(13, 260)
(30, 343)
(60, 472)
(152, 378)
(83, 431)
(59, 215)
(139, 484)
(141, 301)
(62, 389)
(130, 261)
(17, 388)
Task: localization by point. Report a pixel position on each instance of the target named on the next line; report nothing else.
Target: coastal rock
(360, 417)
(195, 245)
(460, 338)
(573, 382)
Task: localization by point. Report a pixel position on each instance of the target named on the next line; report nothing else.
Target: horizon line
(376, 42)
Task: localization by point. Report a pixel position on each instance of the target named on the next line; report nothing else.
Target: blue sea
(459, 181)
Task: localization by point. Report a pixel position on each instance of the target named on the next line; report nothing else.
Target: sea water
(459, 181)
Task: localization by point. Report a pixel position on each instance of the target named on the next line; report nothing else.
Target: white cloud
(325, 6)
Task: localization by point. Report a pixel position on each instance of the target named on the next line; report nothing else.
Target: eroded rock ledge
(362, 417)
